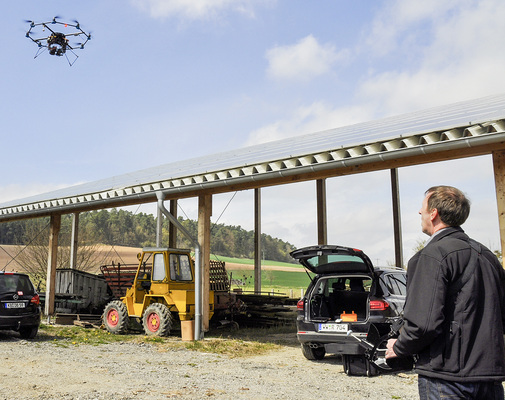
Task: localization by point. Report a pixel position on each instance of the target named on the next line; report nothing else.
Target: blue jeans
(437, 389)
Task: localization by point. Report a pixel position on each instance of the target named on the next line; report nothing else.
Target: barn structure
(464, 129)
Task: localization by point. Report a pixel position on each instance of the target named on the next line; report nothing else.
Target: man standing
(455, 308)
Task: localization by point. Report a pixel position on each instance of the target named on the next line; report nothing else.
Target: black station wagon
(19, 304)
(345, 297)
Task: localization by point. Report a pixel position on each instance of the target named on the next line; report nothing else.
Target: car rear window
(15, 283)
(344, 260)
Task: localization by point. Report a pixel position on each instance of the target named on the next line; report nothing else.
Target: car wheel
(28, 332)
(157, 320)
(313, 353)
(115, 317)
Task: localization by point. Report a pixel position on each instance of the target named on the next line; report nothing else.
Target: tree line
(123, 228)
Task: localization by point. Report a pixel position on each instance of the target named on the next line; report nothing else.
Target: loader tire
(157, 320)
(115, 317)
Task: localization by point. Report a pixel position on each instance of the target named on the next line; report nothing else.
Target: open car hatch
(327, 259)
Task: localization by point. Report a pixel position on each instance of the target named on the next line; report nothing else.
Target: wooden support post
(322, 222)
(172, 229)
(74, 245)
(51, 264)
(397, 223)
(204, 214)
(499, 182)
(257, 241)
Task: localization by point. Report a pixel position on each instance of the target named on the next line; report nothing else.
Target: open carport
(465, 129)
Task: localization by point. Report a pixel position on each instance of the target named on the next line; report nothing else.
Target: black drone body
(56, 43)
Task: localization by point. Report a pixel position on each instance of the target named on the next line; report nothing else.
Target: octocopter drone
(57, 43)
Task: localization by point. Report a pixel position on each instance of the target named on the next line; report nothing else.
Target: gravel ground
(122, 371)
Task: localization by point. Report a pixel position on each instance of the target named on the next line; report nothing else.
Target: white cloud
(303, 61)
(448, 55)
(397, 25)
(197, 9)
(422, 55)
(309, 119)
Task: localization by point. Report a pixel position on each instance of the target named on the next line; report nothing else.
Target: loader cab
(164, 265)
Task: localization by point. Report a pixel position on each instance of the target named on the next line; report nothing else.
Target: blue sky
(167, 80)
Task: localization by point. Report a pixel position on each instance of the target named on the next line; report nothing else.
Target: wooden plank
(499, 178)
(397, 224)
(257, 240)
(204, 214)
(74, 241)
(322, 222)
(55, 225)
(172, 229)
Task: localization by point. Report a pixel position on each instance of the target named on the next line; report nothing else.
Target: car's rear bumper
(333, 343)
(15, 322)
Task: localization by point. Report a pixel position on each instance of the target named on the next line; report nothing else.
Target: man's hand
(390, 353)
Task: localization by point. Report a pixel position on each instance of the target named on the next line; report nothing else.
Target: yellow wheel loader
(163, 289)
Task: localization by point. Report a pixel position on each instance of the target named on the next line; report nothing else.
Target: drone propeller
(55, 18)
(76, 24)
(32, 23)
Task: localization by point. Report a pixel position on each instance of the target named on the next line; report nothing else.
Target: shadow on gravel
(284, 335)
(13, 336)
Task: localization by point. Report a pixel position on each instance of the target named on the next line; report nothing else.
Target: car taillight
(379, 305)
(35, 300)
(300, 304)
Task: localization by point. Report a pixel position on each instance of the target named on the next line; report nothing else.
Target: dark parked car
(345, 297)
(19, 304)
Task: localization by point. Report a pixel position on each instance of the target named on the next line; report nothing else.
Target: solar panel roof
(465, 120)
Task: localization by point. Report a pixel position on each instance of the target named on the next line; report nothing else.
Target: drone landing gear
(58, 53)
(75, 59)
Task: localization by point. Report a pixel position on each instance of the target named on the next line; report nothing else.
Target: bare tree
(33, 257)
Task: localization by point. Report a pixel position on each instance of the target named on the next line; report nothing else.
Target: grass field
(246, 261)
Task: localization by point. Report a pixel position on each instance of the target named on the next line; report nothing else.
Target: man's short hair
(452, 205)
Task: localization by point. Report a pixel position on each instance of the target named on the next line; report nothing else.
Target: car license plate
(15, 305)
(333, 328)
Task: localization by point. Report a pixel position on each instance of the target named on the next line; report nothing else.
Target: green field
(247, 261)
(280, 282)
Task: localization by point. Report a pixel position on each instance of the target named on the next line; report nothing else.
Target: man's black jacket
(455, 325)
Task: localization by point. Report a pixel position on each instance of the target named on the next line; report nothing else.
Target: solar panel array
(453, 125)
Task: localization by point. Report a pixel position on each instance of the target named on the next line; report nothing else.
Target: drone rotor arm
(39, 41)
(44, 24)
(73, 34)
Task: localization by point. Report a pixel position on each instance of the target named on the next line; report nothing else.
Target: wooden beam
(397, 224)
(328, 172)
(322, 222)
(499, 181)
(51, 264)
(331, 171)
(257, 241)
(204, 214)
(172, 229)
(74, 244)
